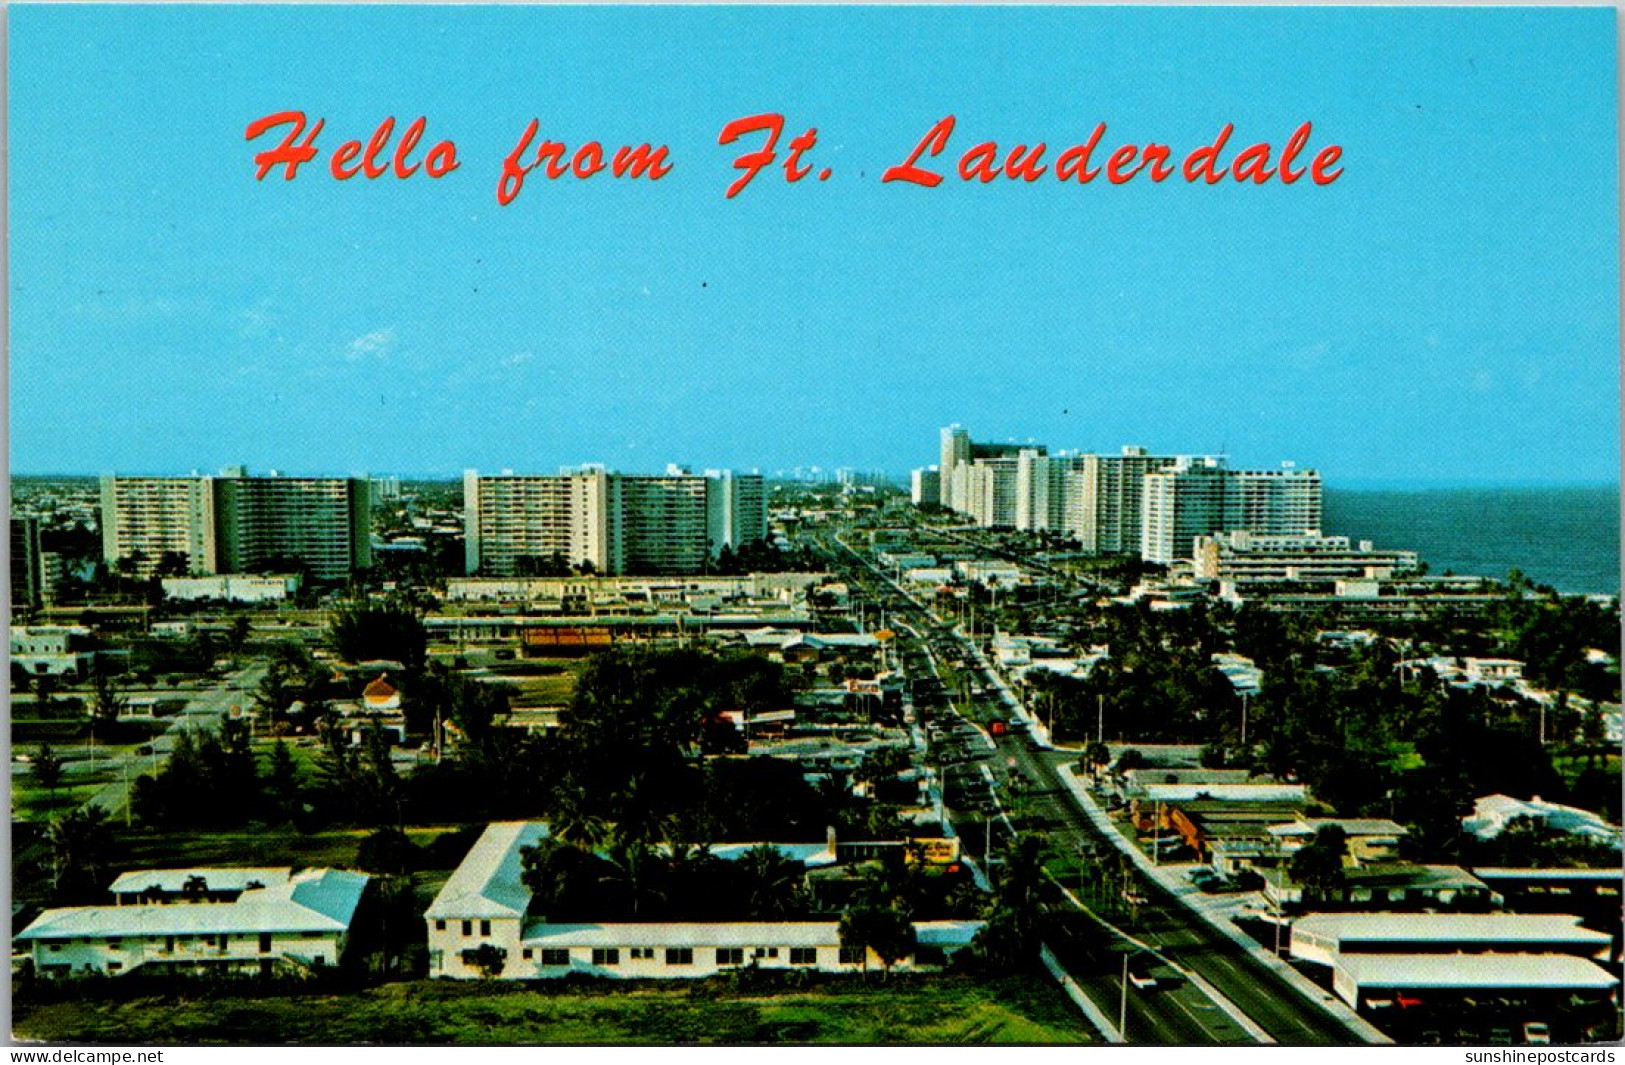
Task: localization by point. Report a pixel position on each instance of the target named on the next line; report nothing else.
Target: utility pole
(1100, 717)
(1122, 1003)
(1244, 720)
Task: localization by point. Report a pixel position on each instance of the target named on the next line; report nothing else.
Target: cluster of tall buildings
(1132, 503)
(674, 522)
(238, 523)
(591, 517)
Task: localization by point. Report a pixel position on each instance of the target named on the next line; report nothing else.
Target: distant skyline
(1447, 312)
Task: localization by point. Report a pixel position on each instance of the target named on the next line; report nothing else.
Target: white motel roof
(1469, 971)
(317, 900)
(173, 881)
(487, 882)
(1450, 927)
(729, 934)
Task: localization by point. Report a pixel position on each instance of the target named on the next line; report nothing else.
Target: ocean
(1565, 537)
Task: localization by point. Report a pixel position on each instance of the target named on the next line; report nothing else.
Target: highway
(202, 714)
(1181, 1015)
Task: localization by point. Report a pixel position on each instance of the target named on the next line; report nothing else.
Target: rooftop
(173, 881)
(486, 883)
(317, 900)
(1446, 927)
(1469, 971)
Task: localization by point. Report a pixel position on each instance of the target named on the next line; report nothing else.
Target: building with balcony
(301, 923)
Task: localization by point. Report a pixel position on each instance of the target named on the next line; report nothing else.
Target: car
(1537, 1033)
(1500, 1037)
(1142, 981)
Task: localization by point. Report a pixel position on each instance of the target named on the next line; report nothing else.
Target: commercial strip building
(612, 523)
(204, 921)
(484, 903)
(1372, 955)
(236, 523)
(232, 587)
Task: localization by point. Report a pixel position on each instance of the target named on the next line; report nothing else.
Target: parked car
(1536, 1033)
(1143, 981)
(1500, 1037)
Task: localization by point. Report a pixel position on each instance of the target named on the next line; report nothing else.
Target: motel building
(484, 903)
(1451, 960)
(204, 921)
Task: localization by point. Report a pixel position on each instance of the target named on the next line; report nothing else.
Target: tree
(885, 930)
(282, 781)
(1318, 866)
(488, 958)
(172, 564)
(371, 630)
(106, 704)
(772, 889)
(388, 852)
(48, 770)
(81, 849)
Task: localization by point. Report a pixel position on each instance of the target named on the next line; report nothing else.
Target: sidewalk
(1218, 916)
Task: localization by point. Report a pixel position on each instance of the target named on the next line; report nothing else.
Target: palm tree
(772, 883)
(636, 868)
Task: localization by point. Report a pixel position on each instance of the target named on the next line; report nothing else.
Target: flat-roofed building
(27, 565)
(1326, 937)
(479, 925)
(1199, 497)
(236, 523)
(596, 520)
(1363, 980)
(1242, 557)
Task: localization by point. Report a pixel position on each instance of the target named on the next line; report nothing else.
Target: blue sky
(1447, 311)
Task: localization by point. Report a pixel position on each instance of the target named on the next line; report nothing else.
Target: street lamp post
(1122, 1003)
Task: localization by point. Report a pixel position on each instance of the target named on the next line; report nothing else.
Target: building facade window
(485, 928)
(679, 956)
(606, 955)
(803, 955)
(555, 956)
(643, 953)
(468, 928)
(852, 955)
(730, 955)
(265, 942)
(440, 926)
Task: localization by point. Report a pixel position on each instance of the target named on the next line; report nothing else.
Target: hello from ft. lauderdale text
(292, 140)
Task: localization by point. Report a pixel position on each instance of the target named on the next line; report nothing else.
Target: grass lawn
(949, 1009)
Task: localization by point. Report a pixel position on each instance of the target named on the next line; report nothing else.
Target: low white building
(1493, 813)
(484, 902)
(234, 587)
(1325, 938)
(59, 650)
(302, 923)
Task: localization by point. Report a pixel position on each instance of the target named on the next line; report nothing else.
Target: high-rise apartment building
(925, 487)
(736, 508)
(236, 523)
(323, 524)
(145, 518)
(1103, 497)
(1199, 497)
(980, 479)
(27, 564)
(619, 523)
